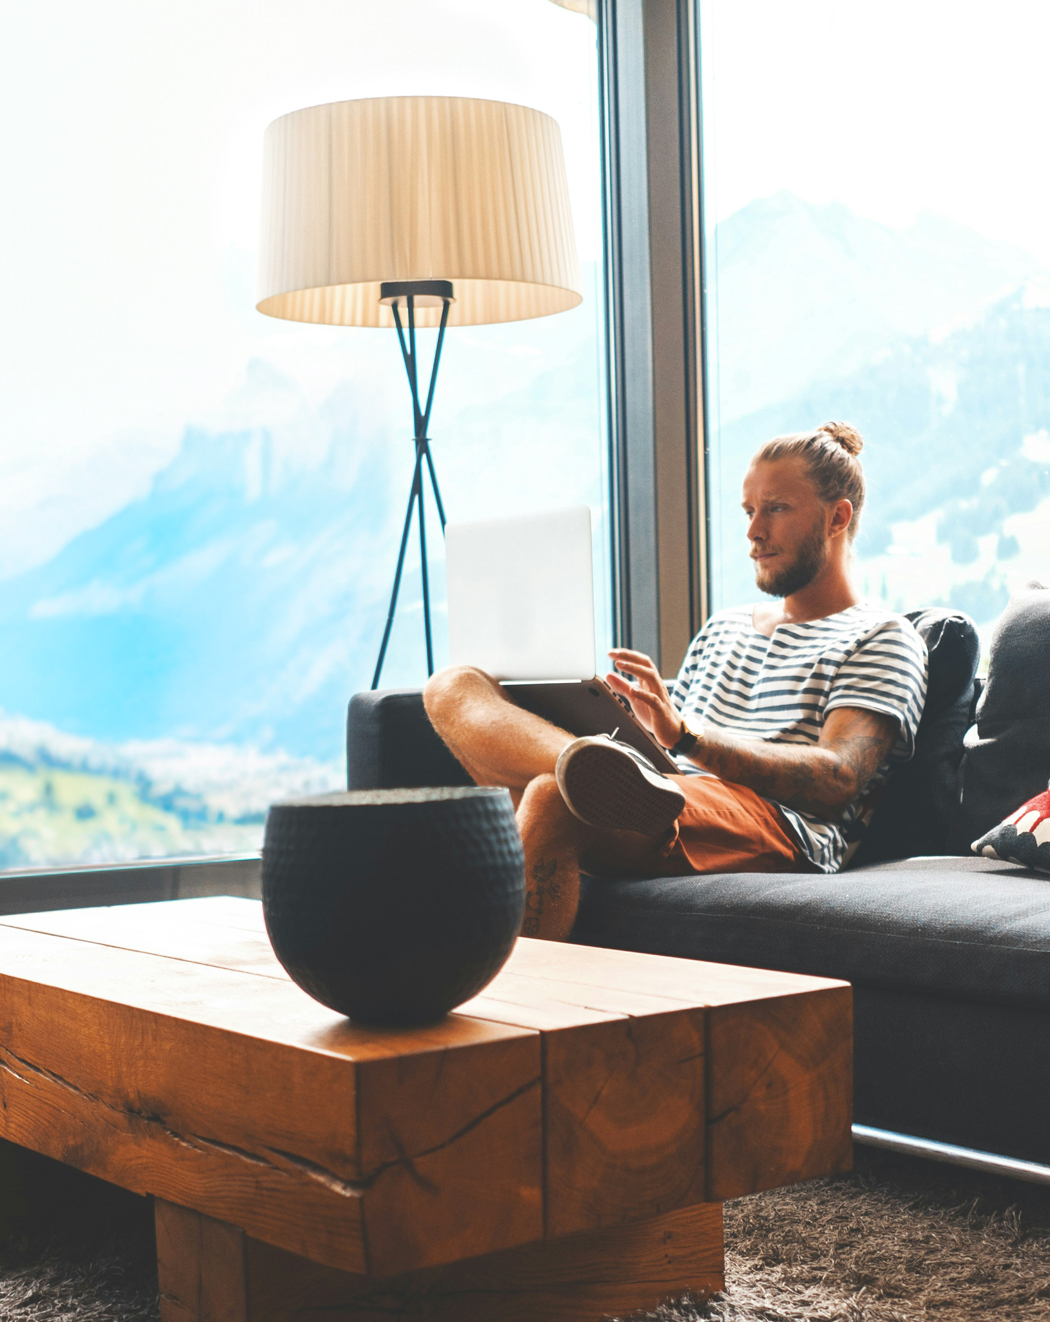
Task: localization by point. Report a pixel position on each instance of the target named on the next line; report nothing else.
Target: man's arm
(821, 779)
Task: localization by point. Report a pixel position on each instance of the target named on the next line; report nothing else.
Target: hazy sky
(889, 107)
(131, 153)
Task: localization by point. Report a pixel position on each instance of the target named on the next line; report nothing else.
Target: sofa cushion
(954, 650)
(969, 865)
(1007, 753)
(390, 744)
(954, 929)
(919, 807)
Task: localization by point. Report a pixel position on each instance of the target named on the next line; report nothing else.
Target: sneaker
(610, 785)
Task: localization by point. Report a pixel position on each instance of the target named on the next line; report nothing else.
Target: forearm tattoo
(819, 779)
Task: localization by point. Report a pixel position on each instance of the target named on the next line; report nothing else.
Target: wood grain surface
(780, 1091)
(624, 1113)
(201, 1267)
(162, 1047)
(258, 1121)
(778, 1079)
(210, 1272)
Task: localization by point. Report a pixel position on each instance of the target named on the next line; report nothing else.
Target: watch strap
(686, 741)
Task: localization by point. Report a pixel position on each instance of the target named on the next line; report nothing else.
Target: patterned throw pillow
(1024, 837)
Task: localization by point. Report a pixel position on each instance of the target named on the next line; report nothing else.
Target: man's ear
(841, 517)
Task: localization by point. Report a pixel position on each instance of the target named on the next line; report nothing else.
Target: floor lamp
(413, 212)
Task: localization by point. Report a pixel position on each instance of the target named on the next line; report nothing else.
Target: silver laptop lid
(521, 596)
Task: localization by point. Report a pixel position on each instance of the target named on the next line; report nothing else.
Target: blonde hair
(832, 463)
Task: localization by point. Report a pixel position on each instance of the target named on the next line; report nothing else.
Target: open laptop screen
(521, 596)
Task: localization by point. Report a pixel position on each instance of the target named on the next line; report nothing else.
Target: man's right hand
(647, 695)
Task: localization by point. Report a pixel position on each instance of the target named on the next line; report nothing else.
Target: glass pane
(878, 252)
(200, 507)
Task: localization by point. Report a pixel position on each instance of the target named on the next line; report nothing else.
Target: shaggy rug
(895, 1241)
(72, 1247)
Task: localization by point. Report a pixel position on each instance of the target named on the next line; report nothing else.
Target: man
(784, 718)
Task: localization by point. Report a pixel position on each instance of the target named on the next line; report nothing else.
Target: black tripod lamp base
(412, 294)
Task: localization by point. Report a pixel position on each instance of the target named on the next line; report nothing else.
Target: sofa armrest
(390, 744)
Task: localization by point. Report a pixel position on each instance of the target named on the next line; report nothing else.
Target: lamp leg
(417, 487)
(421, 418)
(434, 485)
(425, 577)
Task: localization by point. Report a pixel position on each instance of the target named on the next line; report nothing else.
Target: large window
(878, 249)
(200, 507)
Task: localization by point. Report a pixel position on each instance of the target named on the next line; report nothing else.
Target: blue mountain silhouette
(243, 598)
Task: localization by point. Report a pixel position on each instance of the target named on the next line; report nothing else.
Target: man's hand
(647, 696)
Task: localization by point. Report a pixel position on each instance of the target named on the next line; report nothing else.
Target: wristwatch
(687, 740)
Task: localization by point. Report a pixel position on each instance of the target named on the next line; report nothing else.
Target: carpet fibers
(895, 1241)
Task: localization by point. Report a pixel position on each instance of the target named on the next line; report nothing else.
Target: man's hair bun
(848, 437)
(834, 469)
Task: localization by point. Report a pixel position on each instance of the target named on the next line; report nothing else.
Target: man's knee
(447, 691)
(543, 798)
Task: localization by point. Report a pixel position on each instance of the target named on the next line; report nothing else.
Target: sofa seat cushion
(953, 929)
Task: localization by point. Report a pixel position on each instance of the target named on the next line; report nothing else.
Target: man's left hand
(647, 695)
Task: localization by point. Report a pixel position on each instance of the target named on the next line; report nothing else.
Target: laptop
(521, 608)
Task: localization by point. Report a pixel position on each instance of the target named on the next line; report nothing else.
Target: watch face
(688, 740)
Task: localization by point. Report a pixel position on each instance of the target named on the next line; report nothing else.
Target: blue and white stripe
(781, 688)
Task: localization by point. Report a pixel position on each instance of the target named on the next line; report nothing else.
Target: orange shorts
(726, 828)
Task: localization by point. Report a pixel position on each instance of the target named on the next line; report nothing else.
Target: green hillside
(52, 815)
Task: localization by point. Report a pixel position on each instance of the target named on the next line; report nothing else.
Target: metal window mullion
(654, 282)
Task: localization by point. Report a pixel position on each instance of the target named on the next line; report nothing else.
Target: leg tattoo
(543, 887)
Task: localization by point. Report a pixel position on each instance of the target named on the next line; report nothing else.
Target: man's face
(787, 526)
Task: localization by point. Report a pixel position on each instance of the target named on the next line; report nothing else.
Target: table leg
(213, 1272)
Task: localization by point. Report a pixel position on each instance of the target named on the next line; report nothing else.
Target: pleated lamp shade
(416, 188)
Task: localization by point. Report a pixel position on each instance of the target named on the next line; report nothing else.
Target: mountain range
(242, 599)
(799, 293)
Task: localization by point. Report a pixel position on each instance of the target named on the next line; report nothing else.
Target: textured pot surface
(394, 906)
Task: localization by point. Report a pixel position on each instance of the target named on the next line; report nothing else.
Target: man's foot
(609, 785)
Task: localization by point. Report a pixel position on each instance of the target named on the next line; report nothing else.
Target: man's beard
(809, 560)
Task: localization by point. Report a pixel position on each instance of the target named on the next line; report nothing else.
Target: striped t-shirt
(781, 688)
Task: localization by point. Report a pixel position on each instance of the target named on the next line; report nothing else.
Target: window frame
(649, 62)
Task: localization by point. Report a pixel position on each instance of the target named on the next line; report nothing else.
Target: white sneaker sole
(605, 787)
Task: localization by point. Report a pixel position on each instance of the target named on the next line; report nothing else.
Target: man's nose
(756, 531)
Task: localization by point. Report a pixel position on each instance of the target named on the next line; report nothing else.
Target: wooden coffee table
(556, 1150)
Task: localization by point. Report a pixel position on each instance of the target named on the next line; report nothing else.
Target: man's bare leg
(500, 744)
(550, 834)
(555, 842)
(497, 742)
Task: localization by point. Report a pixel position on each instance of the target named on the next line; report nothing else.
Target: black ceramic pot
(394, 906)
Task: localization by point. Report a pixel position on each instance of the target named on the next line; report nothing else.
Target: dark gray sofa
(949, 955)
